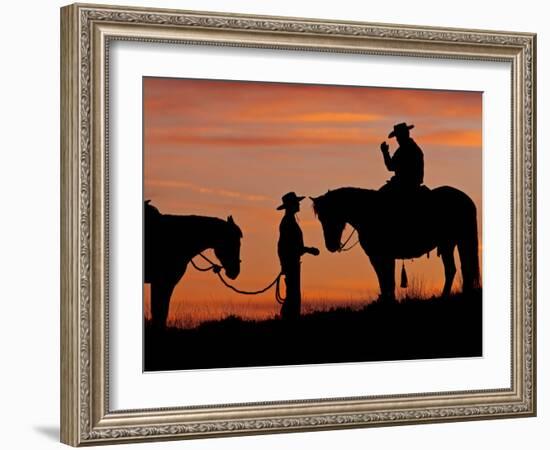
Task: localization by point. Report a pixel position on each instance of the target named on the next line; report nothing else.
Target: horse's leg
(161, 291)
(469, 264)
(389, 275)
(385, 271)
(447, 256)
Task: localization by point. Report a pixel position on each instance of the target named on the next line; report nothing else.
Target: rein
(342, 246)
(216, 268)
(213, 266)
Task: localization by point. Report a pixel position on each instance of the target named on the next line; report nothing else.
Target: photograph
(292, 223)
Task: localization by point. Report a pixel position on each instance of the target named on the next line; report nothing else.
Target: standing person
(407, 162)
(290, 249)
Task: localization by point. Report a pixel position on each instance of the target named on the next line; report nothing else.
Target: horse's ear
(230, 220)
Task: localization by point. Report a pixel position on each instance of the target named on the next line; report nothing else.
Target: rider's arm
(387, 158)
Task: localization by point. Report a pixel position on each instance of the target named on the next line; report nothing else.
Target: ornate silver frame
(86, 31)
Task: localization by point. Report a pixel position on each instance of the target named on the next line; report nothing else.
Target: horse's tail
(468, 251)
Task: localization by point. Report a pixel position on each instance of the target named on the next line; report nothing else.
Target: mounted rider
(404, 197)
(407, 162)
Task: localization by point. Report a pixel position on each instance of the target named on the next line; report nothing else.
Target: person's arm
(311, 250)
(387, 158)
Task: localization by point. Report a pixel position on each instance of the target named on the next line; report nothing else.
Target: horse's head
(326, 208)
(228, 248)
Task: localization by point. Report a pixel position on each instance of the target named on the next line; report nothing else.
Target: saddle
(404, 196)
(405, 211)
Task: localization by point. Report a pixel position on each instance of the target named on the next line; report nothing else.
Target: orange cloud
(345, 117)
(172, 184)
(290, 137)
(453, 138)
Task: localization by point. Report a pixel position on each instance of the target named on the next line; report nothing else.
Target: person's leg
(284, 306)
(292, 304)
(293, 290)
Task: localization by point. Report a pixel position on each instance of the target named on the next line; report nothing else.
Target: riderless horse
(172, 241)
(443, 218)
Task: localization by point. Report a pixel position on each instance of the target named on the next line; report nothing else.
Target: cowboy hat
(400, 128)
(289, 199)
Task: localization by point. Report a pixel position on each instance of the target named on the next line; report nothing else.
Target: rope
(216, 268)
(342, 246)
(213, 267)
(280, 299)
(212, 263)
(240, 291)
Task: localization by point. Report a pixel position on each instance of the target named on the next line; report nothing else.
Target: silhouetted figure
(290, 249)
(407, 161)
(172, 241)
(449, 221)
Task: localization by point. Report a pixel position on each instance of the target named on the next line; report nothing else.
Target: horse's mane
(195, 220)
(341, 197)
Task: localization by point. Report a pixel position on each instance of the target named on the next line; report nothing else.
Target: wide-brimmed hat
(290, 199)
(399, 129)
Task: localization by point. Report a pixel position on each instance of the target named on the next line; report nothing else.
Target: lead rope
(216, 268)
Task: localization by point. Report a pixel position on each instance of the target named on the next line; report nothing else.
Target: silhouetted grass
(411, 329)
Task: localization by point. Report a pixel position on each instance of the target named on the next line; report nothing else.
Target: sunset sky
(219, 148)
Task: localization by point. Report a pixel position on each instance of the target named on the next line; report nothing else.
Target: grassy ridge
(410, 329)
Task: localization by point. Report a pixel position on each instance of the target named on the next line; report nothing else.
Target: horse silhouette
(171, 241)
(443, 218)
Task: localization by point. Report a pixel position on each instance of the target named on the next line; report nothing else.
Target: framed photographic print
(275, 224)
